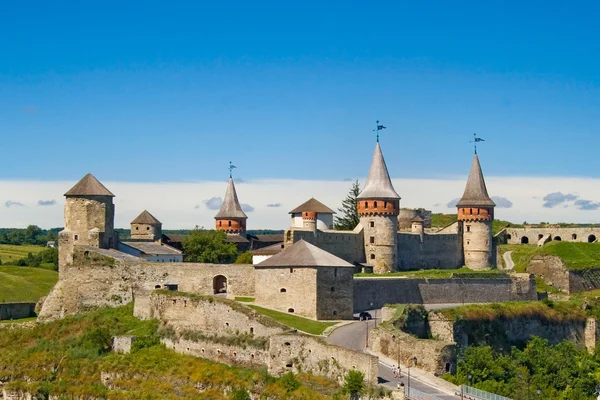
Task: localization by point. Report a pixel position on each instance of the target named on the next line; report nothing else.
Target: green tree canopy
(348, 218)
(354, 384)
(244, 258)
(208, 246)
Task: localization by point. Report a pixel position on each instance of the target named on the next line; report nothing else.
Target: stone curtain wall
(555, 273)
(347, 245)
(210, 315)
(381, 291)
(335, 293)
(435, 356)
(300, 353)
(439, 251)
(114, 285)
(565, 234)
(16, 310)
(219, 352)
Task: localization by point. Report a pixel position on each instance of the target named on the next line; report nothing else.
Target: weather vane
(379, 127)
(475, 141)
(231, 167)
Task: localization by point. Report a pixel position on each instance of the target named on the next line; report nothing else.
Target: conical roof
(146, 218)
(312, 205)
(476, 193)
(89, 186)
(378, 185)
(304, 254)
(231, 205)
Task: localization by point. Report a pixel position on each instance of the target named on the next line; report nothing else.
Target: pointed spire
(231, 207)
(89, 186)
(378, 185)
(476, 193)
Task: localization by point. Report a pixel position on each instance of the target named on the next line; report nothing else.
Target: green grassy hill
(25, 284)
(10, 254)
(575, 255)
(66, 357)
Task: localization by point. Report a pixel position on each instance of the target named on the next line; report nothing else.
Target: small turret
(146, 227)
(418, 226)
(231, 218)
(475, 216)
(312, 215)
(378, 208)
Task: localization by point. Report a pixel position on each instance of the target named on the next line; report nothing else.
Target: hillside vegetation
(66, 358)
(440, 221)
(575, 255)
(25, 284)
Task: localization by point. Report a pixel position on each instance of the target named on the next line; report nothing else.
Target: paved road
(508, 261)
(354, 336)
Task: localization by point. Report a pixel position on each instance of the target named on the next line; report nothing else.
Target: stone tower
(378, 208)
(231, 218)
(89, 218)
(475, 217)
(146, 227)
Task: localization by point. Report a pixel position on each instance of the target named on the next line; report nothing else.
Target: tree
(354, 384)
(349, 210)
(204, 246)
(244, 258)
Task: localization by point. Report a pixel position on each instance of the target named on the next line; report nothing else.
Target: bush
(354, 383)
(244, 258)
(289, 382)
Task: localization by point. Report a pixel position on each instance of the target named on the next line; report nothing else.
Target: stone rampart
(347, 245)
(532, 235)
(435, 356)
(400, 290)
(82, 286)
(16, 310)
(245, 356)
(300, 353)
(554, 272)
(438, 251)
(211, 315)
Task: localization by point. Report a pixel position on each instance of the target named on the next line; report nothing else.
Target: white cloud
(174, 203)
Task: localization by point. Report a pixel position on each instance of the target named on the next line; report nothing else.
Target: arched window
(290, 310)
(540, 236)
(219, 284)
(229, 223)
(557, 238)
(591, 239)
(372, 256)
(524, 240)
(374, 204)
(282, 290)
(366, 204)
(574, 236)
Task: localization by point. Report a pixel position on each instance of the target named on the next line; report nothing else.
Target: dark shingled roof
(236, 239)
(269, 250)
(231, 206)
(312, 205)
(378, 185)
(89, 186)
(303, 254)
(146, 218)
(476, 193)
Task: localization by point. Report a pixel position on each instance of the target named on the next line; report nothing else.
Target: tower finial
(231, 167)
(475, 141)
(379, 127)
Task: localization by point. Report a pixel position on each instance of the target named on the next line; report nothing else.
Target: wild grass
(293, 321)
(65, 358)
(10, 254)
(25, 284)
(547, 310)
(245, 299)
(577, 256)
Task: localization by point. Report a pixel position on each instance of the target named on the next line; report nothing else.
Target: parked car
(364, 316)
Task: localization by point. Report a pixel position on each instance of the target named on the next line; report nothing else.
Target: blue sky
(170, 91)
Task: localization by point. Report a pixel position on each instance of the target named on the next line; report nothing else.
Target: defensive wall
(533, 235)
(347, 245)
(406, 215)
(16, 310)
(95, 279)
(370, 293)
(438, 251)
(554, 272)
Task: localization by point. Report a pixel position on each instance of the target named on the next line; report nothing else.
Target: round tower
(309, 220)
(475, 218)
(378, 209)
(231, 218)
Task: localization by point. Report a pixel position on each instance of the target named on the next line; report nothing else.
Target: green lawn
(575, 255)
(293, 321)
(440, 273)
(25, 284)
(10, 254)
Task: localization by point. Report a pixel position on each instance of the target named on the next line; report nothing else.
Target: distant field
(10, 253)
(25, 284)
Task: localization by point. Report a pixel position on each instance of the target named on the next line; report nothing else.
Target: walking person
(395, 375)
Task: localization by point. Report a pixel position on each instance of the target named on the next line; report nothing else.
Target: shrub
(354, 383)
(289, 382)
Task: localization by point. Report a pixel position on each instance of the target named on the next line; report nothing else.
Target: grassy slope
(575, 255)
(438, 273)
(443, 220)
(557, 311)
(10, 253)
(24, 284)
(66, 357)
(303, 324)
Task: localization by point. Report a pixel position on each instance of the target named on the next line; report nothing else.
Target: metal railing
(471, 393)
(414, 394)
